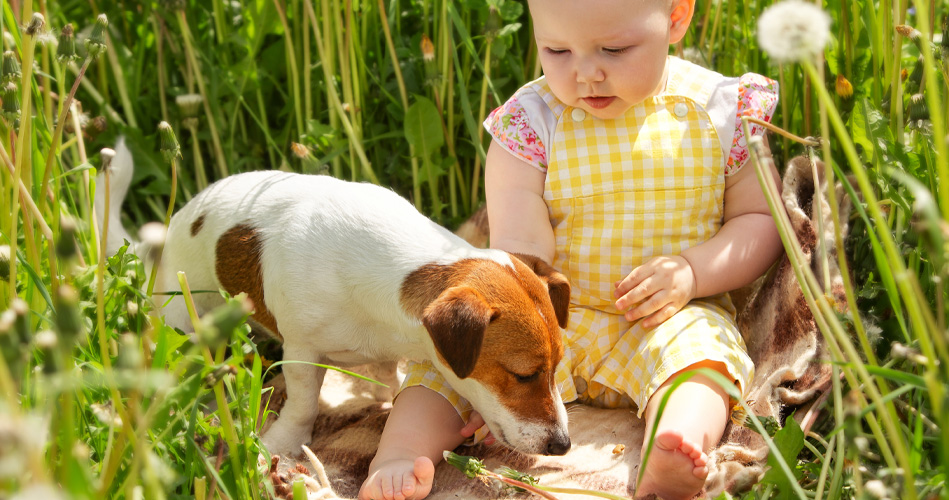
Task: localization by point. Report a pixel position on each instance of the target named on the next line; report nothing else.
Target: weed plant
(99, 399)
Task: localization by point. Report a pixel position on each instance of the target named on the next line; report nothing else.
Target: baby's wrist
(694, 292)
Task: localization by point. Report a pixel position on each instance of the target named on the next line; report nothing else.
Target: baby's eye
(616, 50)
(556, 51)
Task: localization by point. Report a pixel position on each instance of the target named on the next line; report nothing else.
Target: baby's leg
(420, 427)
(692, 422)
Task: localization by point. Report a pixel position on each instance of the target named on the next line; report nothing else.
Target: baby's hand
(475, 422)
(656, 290)
(399, 479)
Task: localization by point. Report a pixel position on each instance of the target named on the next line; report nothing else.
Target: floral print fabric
(509, 126)
(757, 98)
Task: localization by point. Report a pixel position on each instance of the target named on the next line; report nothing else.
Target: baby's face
(603, 56)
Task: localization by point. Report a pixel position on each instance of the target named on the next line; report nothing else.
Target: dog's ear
(456, 321)
(557, 285)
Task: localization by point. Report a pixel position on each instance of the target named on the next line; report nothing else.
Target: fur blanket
(783, 340)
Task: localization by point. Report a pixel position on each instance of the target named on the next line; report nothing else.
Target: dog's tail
(475, 230)
(120, 177)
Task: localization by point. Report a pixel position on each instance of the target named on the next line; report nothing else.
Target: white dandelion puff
(793, 30)
(153, 234)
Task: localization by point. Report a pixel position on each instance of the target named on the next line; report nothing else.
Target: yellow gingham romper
(620, 192)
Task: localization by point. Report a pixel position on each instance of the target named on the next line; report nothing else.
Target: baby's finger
(647, 307)
(637, 294)
(660, 316)
(634, 278)
(475, 422)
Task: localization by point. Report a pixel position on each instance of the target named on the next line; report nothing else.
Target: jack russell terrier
(350, 273)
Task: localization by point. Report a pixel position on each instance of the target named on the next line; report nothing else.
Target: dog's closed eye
(526, 379)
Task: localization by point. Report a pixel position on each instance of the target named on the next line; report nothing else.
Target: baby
(625, 169)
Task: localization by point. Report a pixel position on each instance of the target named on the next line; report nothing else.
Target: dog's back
(305, 249)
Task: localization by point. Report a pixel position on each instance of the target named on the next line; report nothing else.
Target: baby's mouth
(598, 102)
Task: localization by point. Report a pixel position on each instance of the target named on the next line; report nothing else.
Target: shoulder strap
(691, 80)
(543, 90)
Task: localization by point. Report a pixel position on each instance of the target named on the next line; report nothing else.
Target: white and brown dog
(349, 273)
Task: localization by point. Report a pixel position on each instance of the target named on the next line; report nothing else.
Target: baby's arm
(421, 425)
(517, 213)
(742, 250)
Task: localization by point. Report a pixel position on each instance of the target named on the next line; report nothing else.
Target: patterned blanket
(783, 340)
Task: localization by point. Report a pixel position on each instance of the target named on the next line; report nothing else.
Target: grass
(99, 398)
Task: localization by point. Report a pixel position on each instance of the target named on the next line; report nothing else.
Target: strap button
(578, 114)
(680, 109)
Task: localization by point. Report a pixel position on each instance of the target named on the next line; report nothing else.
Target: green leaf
(423, 127)
(790, 441)
(510, 11)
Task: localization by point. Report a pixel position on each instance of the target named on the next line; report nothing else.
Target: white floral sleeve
(510, 127)
(757, 98)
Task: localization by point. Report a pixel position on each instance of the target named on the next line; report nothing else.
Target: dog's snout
(559, 444)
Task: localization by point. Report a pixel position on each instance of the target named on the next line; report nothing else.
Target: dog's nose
(559, 444)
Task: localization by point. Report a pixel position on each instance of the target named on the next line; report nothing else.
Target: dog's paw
(285, 440)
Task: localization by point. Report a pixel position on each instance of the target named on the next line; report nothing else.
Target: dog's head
(496, 331)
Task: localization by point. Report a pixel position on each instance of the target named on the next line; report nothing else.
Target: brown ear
(456, 321)
(557, 285)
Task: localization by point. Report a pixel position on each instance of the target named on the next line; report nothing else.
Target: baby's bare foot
(399, 480)
(666, 470)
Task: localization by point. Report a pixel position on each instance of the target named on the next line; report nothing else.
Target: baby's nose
(588, 72)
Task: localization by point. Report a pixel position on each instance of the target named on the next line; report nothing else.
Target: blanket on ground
(782, 338)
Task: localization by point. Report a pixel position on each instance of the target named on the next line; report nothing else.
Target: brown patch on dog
(237, 264)
(197, 225)
(508, 312)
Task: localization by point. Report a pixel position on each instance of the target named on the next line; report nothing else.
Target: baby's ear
(679, 19)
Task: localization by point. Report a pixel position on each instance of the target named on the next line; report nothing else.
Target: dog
(350, 273)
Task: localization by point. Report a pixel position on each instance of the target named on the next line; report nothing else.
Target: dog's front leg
(294, 425)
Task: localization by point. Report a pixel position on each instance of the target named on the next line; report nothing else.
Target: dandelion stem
(212, 122)
(335, 102)
(476, 175)
(294, 72)
(171, 208)
(58, 134)
(416, 185)
(780, 131)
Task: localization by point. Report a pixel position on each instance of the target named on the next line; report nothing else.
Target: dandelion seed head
(189, 104)
(793, 30)
(4, 262)
(36, 25)
(106, 154)
(153, 234)
(46, 339)
(876, 489)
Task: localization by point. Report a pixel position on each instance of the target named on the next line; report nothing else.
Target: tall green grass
(99, 398)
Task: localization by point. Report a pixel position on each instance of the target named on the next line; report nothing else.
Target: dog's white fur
(339, 267)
